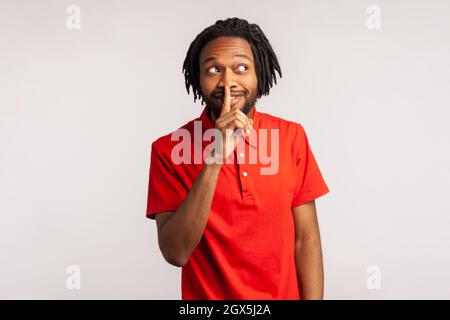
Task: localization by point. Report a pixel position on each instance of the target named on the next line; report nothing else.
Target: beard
(214, 106)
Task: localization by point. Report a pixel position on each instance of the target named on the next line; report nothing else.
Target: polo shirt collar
(208, 124)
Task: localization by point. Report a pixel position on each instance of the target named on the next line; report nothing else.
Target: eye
(212, 69)
(242, 68)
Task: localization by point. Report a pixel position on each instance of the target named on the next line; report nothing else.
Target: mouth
(235, 97)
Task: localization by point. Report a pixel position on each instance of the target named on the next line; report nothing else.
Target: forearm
(309, 265)
(183, 231)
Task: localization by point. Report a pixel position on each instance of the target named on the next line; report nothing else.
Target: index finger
(226, 100)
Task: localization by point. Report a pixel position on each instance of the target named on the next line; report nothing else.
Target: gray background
(80, 108)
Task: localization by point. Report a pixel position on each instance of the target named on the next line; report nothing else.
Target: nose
(227, 79)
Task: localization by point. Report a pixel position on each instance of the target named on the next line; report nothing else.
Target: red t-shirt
(247, 248)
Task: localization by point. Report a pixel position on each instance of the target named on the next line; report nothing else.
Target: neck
(212, 116)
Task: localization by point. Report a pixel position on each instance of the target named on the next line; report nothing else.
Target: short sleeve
(310, 183)
(165, 190)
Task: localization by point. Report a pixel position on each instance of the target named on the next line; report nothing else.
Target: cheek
(206, 86)
(250, 82)
(253, 82)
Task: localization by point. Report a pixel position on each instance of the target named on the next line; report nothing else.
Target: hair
(266, 62)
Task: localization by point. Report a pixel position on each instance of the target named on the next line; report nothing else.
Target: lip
(235, 97)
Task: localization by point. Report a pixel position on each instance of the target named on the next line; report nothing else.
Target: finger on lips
(227, 115)
(226, 100)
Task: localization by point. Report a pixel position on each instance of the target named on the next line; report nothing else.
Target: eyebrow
(211, 58)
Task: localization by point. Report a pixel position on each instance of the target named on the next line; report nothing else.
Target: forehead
(226, 47)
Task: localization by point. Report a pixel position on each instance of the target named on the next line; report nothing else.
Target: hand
(232, 123)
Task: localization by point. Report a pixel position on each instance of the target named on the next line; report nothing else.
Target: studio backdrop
(87, 86)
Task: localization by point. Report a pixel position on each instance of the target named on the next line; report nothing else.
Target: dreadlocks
(266, 62)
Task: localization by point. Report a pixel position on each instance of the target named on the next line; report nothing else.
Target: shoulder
(164, 144)
(291, 133)
(288, 128)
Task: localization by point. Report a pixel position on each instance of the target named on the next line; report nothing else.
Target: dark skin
(229, 86)
(227, 62)
(226, 70)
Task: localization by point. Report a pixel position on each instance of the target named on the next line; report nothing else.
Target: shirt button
(241, 154)
(245, 173)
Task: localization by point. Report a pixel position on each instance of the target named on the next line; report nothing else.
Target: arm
(308, 252)
(180, 232)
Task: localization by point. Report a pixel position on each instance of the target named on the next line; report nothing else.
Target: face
(228, 61)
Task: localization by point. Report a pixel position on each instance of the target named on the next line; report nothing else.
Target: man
(236, 232)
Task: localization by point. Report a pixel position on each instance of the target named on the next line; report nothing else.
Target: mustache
(221, 93)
